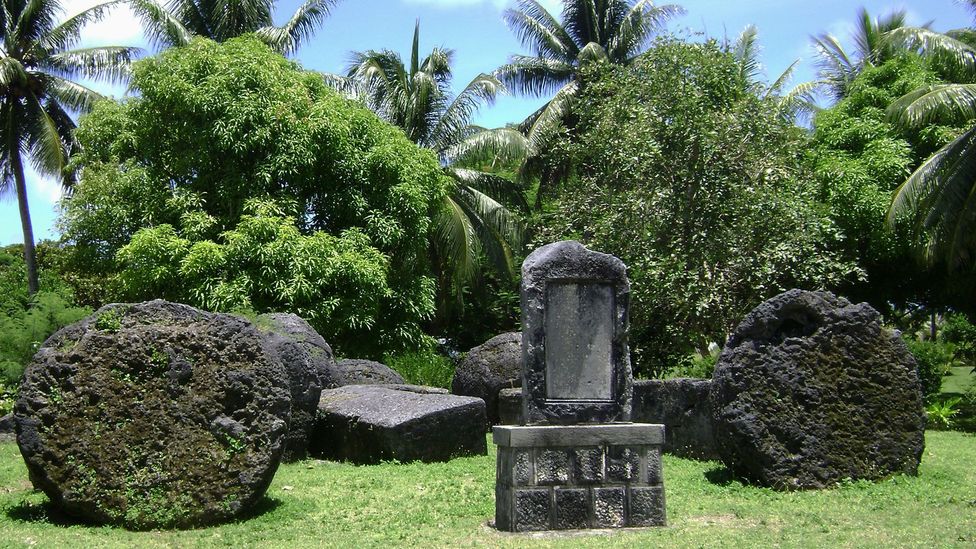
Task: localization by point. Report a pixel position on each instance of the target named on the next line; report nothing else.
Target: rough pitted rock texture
(372, 423)
(682, 406)
(355, 371)
(6, 426)
(489, 368)
(811, 389)
(154, 415)
(308, 359)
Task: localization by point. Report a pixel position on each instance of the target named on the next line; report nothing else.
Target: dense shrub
(934, 360)
(235, 180)
(423, 367)
(25, 321)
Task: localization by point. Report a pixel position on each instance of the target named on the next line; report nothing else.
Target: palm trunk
(30, 255)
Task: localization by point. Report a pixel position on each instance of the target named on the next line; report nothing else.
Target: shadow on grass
(721, 476)
(48, 513)
(44, 512)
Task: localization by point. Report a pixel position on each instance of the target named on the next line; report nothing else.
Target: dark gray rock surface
(7, 426)
(489, 368)
(371, 423)
(510, 407)
(811, 390)
(308, 359)
(682, 406)
(154, 415)
(355, 371)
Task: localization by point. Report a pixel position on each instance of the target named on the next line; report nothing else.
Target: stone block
(523, 474)
(555, 436)
(510, 407)
(588, 465)
(623, 464)
(552, 467)
(572, 508)
(504, 510)
(609, 507)
(371, 423)
(682, 406)
(655, 475)
(647, 507)
(532, 509)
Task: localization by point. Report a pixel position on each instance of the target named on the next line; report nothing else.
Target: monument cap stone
(575, 359)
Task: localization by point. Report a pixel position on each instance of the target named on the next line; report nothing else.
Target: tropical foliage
(476, 217)
(295, 199)
(589, 31)
(176, 22)
(38, 68)
(795, 104)
(696, 183)
(937, 199)
(27, 320)
(860, 158)
(837, 68)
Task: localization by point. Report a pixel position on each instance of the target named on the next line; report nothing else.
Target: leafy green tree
(696, 183)
(235, 180)
(860, 158)
(590, 31)
(39, 62)
(936, 199)
(175, 22)
(476, 216)
(838, 68)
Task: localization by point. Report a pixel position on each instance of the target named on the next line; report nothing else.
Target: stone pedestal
(582, 476)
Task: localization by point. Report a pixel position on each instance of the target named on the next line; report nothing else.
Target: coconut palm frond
(938, 103)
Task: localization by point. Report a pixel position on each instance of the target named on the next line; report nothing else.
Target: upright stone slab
(576, 461)
(576, 364)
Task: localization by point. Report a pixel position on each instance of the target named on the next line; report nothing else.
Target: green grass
(956, 383)
(325, 504)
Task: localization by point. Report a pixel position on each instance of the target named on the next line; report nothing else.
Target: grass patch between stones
(327, 504)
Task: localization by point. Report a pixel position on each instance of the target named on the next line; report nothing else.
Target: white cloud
(119, 28)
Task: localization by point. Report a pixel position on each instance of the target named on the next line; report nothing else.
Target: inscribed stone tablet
(579, 334)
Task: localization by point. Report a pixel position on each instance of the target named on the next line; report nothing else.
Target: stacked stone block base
(582, 476)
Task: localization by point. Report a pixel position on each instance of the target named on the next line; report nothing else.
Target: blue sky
(482, 42)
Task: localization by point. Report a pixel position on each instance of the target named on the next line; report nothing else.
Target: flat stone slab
(620, 434)
(369, 423)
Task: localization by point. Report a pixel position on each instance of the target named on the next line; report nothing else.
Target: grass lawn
(956, 383)
(325, 504)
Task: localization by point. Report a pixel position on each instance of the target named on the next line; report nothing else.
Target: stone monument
(576, 461)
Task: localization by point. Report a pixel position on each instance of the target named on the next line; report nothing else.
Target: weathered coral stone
(154, 415)
(811, 390)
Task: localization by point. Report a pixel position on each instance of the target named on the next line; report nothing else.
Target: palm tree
(176, 22)
(791, 105)
(939, 198)
(475, 217)
(37, 66)
(613, 31)
(837, 68)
